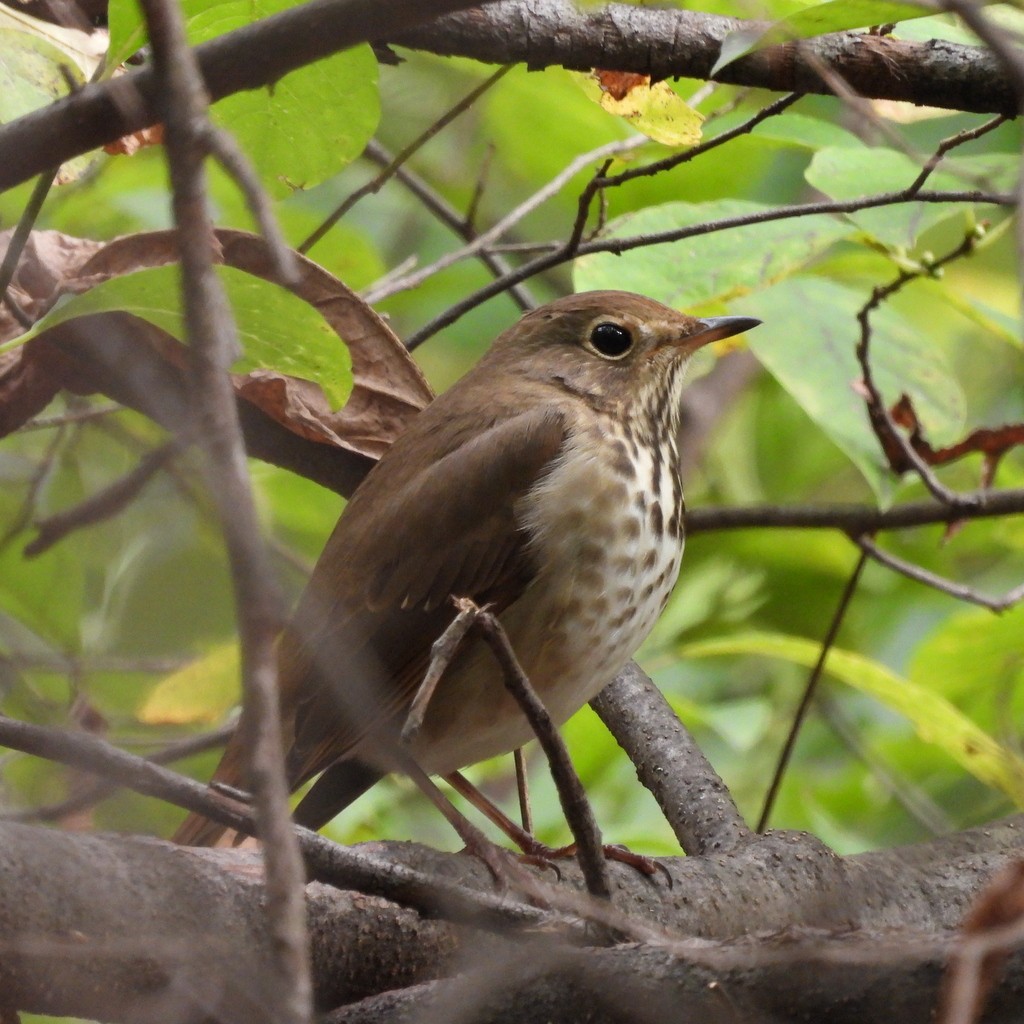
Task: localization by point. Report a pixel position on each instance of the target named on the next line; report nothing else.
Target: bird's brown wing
(409, 540)
(435, 517)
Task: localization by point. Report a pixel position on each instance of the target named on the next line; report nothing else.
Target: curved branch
(686, 44)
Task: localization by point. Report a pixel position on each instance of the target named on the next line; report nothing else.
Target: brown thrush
(545, 485)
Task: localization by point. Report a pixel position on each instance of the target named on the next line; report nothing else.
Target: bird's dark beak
(714, 328)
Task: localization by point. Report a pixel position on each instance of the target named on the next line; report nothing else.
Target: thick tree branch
(248, 58)
(137, 930)
(539, 32)
(686, 44)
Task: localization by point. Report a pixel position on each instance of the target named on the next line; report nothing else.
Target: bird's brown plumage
(447, 511)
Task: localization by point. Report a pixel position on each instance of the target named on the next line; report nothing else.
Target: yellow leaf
(200, 693)
(655, 110)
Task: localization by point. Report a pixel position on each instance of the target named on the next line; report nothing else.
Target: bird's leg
(523, 789)
(497, 860)
(538, 853)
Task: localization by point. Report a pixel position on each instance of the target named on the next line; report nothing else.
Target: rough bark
(129, 929)
(686, 44)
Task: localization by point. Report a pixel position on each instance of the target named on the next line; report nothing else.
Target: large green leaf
(974, 652)
(709, 268)
(41, 62)
(298, 131)
(278, 330)
(807, 342)
(934, 719)
(847, 172)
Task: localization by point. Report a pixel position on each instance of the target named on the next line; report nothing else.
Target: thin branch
(570, 790)
(377, 183)
(19, 237)
(930, 579)
(669, 163)
(809, 691)
(620, 245)
(952, 142)
(213, 345)
(101, 790)
(492, 234)
(226, 151)
(855, 519)
(104, 504)
(436, 204)
(87, 412)
(881, 419)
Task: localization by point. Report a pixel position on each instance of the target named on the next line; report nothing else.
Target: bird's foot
(541, 855)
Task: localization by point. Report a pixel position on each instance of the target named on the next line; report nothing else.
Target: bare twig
(881, 420)
(492, 234)
(25, 511)
(104, 504)
(443, 649)
(233, 159)
(809, 691)
(76, 415)
(87, 798)
(16, 245)
(570, 791)
(212, 349)
(547, 260)
(686, 156)
(375, 184)
(952, 142)
(855, 519)
(448, 215)
(523, 790)
(930, 579)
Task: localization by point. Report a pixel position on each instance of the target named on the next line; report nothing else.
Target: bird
(545, 486)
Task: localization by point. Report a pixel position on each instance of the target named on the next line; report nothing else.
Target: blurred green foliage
(90, 628)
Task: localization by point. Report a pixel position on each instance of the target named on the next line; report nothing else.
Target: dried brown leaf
(388, 386)
(619, 83)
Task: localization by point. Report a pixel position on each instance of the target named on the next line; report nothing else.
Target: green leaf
(278, 331)
(201, 692)
(38, 64)
(832, 16)
(848, 173)
(973, 653)
(308, 125)
(298, 131)
(706, 268)
(934, 719)
(127, 33)
(800, 130)
(807, 343)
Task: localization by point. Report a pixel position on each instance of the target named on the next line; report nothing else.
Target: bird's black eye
(611, 340)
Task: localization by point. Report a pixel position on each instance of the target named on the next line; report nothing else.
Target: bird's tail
(336, 788)
(198, 830)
